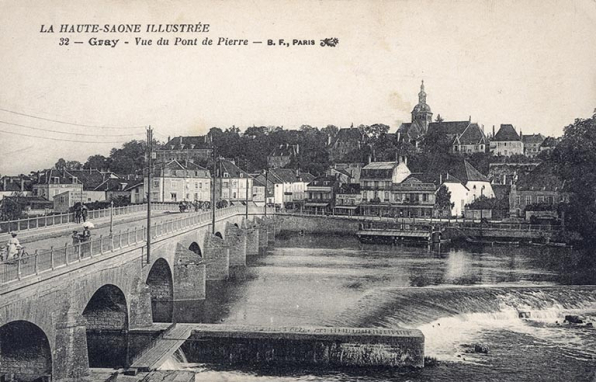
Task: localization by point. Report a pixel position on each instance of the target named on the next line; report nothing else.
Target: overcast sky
(528, 63)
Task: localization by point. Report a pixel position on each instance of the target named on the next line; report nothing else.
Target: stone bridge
(78, 307)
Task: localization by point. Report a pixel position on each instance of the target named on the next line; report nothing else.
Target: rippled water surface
(456, 296)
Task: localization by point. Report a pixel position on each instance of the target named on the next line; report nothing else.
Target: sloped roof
(472, 135)
(232, 170)
(465, 172)
(506, 133)
(549, 142)
(380, 166)
(186, 143)
(348, 134)
(92, 178)
(451, 128)
(283, 151)
(411, 130)
(286, 175)
(46, 177)
(543, 177)
(533, 138)
(349, 188)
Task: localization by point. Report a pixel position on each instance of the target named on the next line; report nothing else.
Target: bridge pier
(252, 237)
(189, 284)
(263, 234)
(71, 359)
(140, 305)
(237, 242)
(217, 258)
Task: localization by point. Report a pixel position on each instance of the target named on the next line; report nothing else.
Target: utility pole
(111, 217)
(266, 186)
(149, 171)
(247, 176)
(213, 198)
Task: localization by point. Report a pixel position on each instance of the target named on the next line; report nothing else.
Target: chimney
(440, 179)
(4, 181)
(297, 148)
(493, 131)
(22, 184)
(181, 140)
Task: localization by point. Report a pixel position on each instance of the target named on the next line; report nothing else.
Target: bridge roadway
(59, 235)
(66, 310)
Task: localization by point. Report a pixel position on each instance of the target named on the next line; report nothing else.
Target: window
(518, 201)
(225, 184)
(528, 199)
(173, 196)
(226, 175)
(541, 199)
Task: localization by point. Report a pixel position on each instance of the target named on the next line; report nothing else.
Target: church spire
(422, 94)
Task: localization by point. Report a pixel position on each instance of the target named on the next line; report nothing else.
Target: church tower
(421, 114)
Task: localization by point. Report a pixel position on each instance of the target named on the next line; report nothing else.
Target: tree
(98, 162)
(60, 165)
(130, 159)
(73, 165)
(443, 199)
(574, 159)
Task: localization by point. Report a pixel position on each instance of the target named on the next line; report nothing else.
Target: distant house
(15, 185)
(377, 178)
(289, 186)
(459, 194)
(342, 175)
(185, 148)
(532, 144)
(508, 173)
(282, 155)
(507, 142)
(549, 144)
(174, 182)
(321, 194)
(345, 141)
(137, 192)
(541, 186)
(353, 169)
(50, 183)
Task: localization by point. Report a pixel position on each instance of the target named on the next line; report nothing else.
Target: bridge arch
(24, 351)
(196, 248)
(106, 315)
(161, 287)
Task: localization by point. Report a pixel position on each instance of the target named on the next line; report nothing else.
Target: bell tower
(421, 114)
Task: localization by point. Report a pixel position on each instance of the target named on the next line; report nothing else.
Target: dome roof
(421, 107)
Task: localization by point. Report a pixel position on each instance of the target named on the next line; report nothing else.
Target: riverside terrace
(64, 311)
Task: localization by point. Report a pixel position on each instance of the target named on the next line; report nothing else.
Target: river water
(457, 297)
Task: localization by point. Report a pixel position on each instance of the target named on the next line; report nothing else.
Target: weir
(322, 346)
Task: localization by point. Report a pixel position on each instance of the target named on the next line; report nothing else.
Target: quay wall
(317, 224)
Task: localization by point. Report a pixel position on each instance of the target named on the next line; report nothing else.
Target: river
(458, 297)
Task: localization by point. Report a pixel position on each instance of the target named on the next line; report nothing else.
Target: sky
(528, 63)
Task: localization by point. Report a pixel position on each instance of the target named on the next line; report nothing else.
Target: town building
(321, 194)
(377, 178)
(506, 142)
(174, 182)
(64, 201)
(197, 149)
(540, 187)
(344, 142)
(232, 182)
(347, 199)
(282, 155)
(532, 144)
(415, 131)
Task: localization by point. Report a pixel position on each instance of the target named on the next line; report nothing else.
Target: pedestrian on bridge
(13, 246)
